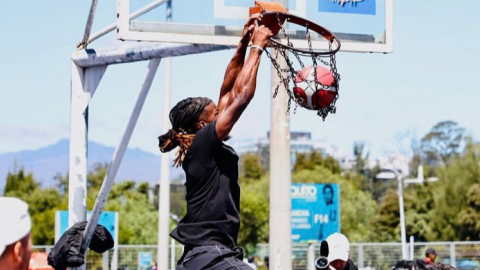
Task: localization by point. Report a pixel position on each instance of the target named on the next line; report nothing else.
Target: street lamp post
(403, 232)
(387, 174)
(398, 176)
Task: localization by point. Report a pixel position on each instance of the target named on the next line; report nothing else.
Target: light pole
(403, 230)
(394, 174)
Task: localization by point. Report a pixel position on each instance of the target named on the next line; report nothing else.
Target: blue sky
(431, 76)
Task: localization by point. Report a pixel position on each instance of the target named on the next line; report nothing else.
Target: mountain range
(48, 161)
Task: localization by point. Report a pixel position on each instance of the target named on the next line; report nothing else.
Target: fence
(379, 256)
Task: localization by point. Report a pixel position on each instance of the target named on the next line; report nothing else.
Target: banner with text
(315, 211)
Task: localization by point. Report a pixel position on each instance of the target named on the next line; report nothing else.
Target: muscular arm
(237, 62)
(244, 87)
(231, 74)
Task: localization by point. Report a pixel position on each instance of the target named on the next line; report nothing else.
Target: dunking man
(210, 228)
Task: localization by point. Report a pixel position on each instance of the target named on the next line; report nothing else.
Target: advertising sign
(145, 260)
(315, 211)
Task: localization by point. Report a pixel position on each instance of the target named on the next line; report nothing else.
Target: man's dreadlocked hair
(183, 117)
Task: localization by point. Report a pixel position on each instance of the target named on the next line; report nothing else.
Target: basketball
(305, 90)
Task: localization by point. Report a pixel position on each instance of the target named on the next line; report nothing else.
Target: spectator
(251, 262)
(154, 265)
(15, 241)
(430, 256)
(339, 252)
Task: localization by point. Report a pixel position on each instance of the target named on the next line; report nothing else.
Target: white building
(300, 142)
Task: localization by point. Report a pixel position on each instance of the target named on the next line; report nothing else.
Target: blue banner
(315, 211)
(347, 6)
(107, 219)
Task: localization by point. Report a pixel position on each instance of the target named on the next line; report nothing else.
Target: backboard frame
(146, 31)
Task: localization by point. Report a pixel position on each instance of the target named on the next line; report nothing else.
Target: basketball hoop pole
(280, 252)
(164, 187)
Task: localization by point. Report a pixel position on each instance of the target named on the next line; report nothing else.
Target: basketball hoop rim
(328, 35)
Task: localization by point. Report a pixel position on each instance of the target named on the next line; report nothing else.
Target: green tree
(418, 214)
(254, 211)
(443, 142)
(42, 204)
(254, 203)
(138, 218)
(388, 218)
(451, 195)
(306, 161)
(361, 158)
(20, 183)
(251, 166)
(469, 218)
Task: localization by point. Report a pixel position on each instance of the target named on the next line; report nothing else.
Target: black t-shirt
(213, 193)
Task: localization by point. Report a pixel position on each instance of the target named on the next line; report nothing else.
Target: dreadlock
(183, 117)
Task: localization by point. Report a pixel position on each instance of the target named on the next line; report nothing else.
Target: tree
(418, 214)
(254, 203)
(361, 159)
(254, 211)
(388, 225)
(251, 167)
(20, 183)
(309, 161)
(453, 193)
(469, 218)
(42, 204)
(442, 143)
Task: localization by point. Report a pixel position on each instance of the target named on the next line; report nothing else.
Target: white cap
(15, 222)
(338, 247)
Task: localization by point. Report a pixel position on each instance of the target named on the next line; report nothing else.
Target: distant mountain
(47, 161)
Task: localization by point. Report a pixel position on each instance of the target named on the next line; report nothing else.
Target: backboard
(361, 25)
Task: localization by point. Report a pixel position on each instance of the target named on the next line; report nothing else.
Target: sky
(431, 76)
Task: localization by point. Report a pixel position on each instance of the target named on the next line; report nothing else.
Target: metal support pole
(453, 259)
(77, 176)
(403, 233)
(311, 257)
(120, 151)
(164, 190)
(361, 257)
(280, 175)
(88, 27)
(412, 247)
(115, 249)
(173, 264)
(84, 84)
(134, 15)
(105, 261)
(134, 52)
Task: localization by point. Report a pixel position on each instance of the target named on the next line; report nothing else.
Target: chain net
(289, 74)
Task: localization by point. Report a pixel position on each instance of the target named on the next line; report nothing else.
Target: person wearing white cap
(15, 241)
(339, 252)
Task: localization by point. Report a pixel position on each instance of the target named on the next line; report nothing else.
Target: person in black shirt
(210, 228)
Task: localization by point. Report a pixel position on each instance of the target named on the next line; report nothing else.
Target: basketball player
(210, 228)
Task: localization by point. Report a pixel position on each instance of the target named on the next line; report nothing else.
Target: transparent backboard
(361, 25)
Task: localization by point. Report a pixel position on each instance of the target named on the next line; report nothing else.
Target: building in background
(300, 142)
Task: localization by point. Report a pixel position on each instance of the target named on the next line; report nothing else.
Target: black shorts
(212, 257)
